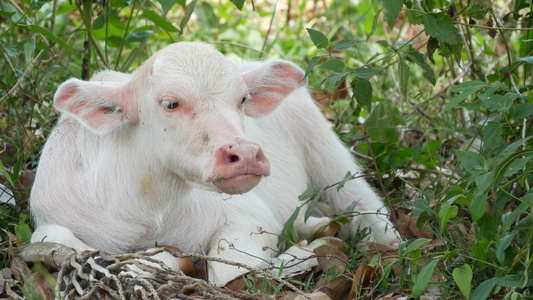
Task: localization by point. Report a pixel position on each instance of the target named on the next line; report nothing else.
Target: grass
(441, 115)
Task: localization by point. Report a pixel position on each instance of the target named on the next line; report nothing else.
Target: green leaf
(503, 167)
(463, 277)
(416, 14)
(51, 36)
(351, 207)
(477, 9)
(363, 92)
(510, 149)
(474, 163)
(311, 205)
(10, 50)
(187, 16)
(289, 233)
(480, 250)
(418, 58)
(319, 39)
(502, 245)
(495, 102)
(392, 10)
(492, 132)
(333, 81)
(37, 4)
(446, 213)
(312, 65)
(484, 290)
(433, 45)
(159, 21)
(22, 229)
(403, 75)
(440, 26)
(477, 206)
(467, 88)
(374, 25)
(349, 176)
(365, 72)
(346, 44)
(422, 279)
(238, 3)
(522, 110)
(166, 4)
(522, 208)
(417, 245)
(335, 65)
(309, 193)
(380, 124)
(7, 13)
(139, 36)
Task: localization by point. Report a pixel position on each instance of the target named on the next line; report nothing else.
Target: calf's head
(184, 109)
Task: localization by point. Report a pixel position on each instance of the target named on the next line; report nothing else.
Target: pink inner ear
(91, 102)
(269, 84)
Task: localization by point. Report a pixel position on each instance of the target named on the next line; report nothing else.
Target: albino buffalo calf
(192, 152)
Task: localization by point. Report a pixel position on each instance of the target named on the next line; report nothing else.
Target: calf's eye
(170, 104)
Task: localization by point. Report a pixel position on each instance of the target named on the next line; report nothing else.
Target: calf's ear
(100, 106)
(269, 84)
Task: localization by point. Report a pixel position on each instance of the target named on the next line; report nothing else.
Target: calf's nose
(241, 158)
(248, 153)
(238, 167)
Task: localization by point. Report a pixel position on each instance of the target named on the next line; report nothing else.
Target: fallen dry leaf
(338, 288)
(363, 278)
(329, 257)
(312, 296)
(406, 226)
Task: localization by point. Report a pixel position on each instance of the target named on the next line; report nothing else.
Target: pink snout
(238, 167)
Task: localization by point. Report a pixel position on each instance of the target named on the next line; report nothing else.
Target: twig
(240, 46)
(19, 82)
(382, 187)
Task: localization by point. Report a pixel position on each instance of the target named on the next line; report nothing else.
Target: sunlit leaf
(467, 88)
(346, 44)
(403, 76)
(502, 245)
(312, 63)
(166, 4)
(51, 36)
(392, 10)
(159, 21)
(422, 279)
(441, 27)
(463, 277)
(319, 39)
(335, 65)
(363, 92)
(417, 245)
(238, 3)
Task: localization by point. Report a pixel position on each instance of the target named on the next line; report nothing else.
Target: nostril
(233, 158)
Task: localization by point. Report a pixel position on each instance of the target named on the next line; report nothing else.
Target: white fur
(122, 174)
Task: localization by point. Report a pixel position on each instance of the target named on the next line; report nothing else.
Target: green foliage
(488, 105)
(435, 94)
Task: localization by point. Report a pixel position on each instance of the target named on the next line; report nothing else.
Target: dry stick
(237, 264)
(240, 46)
(382, 187)
(19, 82)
